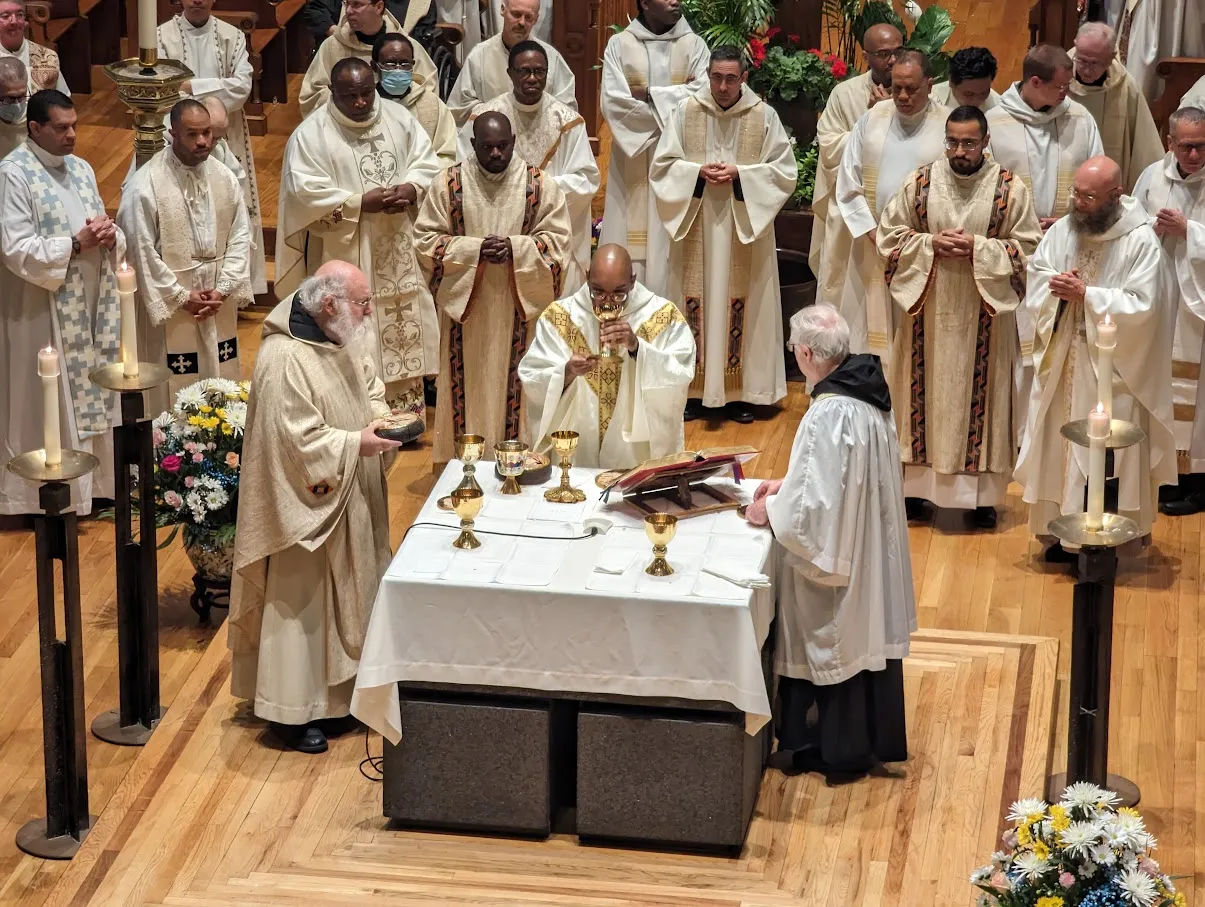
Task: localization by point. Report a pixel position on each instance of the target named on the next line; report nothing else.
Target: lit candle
(48, 369)
(129, 324)
(1106, 340)
(148, 15)
(1098, 434)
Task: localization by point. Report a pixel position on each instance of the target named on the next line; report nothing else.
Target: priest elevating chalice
(609, 307)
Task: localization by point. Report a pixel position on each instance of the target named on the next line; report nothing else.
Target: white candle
(1098, 434)
(1106, 340)
(48, 369)
(129, 323)
(148, 15)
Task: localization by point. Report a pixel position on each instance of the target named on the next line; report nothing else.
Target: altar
(545, 682)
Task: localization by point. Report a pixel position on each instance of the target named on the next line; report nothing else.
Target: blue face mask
(396, 81)
(12, 113)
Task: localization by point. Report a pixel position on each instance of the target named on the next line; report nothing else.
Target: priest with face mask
(13, 98)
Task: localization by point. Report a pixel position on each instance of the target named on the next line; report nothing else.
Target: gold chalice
(564, 443)
(609, 311)
(467, 504)
(510, 456)
(469, 449)
(661, 529)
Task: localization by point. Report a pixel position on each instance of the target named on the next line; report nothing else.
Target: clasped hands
(642, 94)
(202, 304)
(717, 174)
(389, 199)
(496, 249)
(1068, 286)
(953, 244)
(97, 231)
(1171, 223)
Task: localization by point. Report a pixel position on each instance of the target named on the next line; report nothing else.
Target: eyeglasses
(394, 67)
(1089, 197)
(15, 98)
(964, 144)
(619, 297)
(362, 305)
(17, 16)
(537, 73)
(1190, 147)
(886, 55)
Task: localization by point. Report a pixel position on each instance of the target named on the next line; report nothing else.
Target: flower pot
(212, 559)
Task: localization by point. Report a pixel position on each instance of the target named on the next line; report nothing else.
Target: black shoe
(916, 509)
(1057, 554)
(739, 411)
(1185, 506)
(429, 391)
(983, 518)
(305, 738)
(694, 410)
(337, 727)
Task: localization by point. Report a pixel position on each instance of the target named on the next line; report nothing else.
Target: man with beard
(1102, 259)
(972, 72)
(1172, 192)
(13, 97)
(956, 238)
(41, 63)
(393, 63)
(313, 520)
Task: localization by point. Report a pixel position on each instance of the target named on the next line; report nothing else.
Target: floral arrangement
(1079, 852)
(198, 455)
(782, 71)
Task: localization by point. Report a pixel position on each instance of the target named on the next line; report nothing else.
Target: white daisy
(236, 415)
(981, 875)
(1001, 858)
(1079, 838)
(191, 396)
(1030, 867)
(216, 500)
(1087, 870)
(1104, 855)
(1138, 887)
(163, 420)
(1023, 809)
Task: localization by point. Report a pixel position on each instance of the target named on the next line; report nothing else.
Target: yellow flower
(1129, 811)
(206, 409)
(1023, 836)
(196, 420)
(1041, 851)
(1050, 902)
(1059, 821)
(227, 429)
(1034, 818)
(220, 413)
(243, 396)
(1180, 900)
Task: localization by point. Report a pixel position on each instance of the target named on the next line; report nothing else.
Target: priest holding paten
(845, 600)
(619, 382)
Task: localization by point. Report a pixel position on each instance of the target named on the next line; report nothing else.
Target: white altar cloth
(534, 614)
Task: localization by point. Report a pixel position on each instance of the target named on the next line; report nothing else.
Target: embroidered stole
(43, 66)
(538, 133)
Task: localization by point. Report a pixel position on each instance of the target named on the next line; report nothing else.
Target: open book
(688, 465)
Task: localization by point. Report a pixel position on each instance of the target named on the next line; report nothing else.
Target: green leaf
(932, 30)
(876, 12)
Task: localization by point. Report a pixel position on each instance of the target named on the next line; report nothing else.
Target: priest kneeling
(846, 606)
(626, 407)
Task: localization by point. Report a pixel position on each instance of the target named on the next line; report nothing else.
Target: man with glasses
(1103, 258)
(722, 171)
(549, 135)
(14, 95)
(354, 174)
(41, 63)
(1172, 192)
(393, 63)
(619, 382)
(956, 238)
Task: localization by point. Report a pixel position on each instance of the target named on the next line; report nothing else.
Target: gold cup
(469, 449)
(510, 456)
(565, 443)
(661, 529)
(467, 504)
(607, 312)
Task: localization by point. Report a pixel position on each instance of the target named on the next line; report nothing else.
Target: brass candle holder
(510, 456)
(661, 529)
(149, 87)
(467, 503)
(565, 443)
(469, 449)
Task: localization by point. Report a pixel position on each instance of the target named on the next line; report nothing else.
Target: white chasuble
(882, 151)
(484, 76)
(956, 344)
(723, 261)
(553, 137)
(433, 115)
(1163, 186)
(11, 135)
(670, 67)
(487, 308)
(1126, 275)
(189, 231)
(627, 409)
(1126, 126)
(330, 163)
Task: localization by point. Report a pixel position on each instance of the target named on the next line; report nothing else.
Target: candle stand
(56, 538)
(137, 563)
(150, 87)
(1092, 632)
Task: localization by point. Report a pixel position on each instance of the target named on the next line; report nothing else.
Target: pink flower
(1067, 880)
(190, 446)
(173, 500)
(198, 457)
(170, 463)
(212, 446)
(1009, 838)
(999, 881)
(1149, 866)
(158, 437)
(794, 39)
(188, 480)
(232, 460)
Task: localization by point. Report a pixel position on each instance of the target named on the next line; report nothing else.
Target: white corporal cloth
(533, 613)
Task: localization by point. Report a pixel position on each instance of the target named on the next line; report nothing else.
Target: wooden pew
(1179, 74)
(60, 25)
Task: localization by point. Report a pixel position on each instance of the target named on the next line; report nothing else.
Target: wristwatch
(75, 246)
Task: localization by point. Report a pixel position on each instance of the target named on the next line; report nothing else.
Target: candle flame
(1100, 409)
(1108, 320)
(49, 348)
(126, 267)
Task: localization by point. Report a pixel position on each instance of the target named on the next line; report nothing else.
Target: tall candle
(1106, 340)
(1098, 434)
(129, 323)
(48, 370)
(148, 15)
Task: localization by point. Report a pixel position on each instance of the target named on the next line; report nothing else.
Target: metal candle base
(149, 91)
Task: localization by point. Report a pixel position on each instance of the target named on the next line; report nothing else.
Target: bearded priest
(626, 407)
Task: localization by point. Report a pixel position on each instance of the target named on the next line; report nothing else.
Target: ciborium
(565, 443)
(467, 504)
(469, 449)
(510, 456)
(661, 529)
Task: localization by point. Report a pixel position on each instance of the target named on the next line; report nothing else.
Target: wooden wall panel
(580, 29)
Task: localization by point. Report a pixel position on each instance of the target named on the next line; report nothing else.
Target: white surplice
(484, 76)
(723, 260)
(1163, 186)
(627, 409)
(1195, 96)
(1127, 274)
(1152, 30)
(422, 100)
(670, 67)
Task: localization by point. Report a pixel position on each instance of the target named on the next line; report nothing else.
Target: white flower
(191, 396)
(981, 875)
(1129, 827)
(1023, 809)
(163, 420)
(1138, 887)
(1104, 855)
(1001, 858)
(1079, 838)
(1029, 866)
(236, 415)
(1087, 797)
(223, 386)
(216, 500)
(207, 484)
(1087, 870)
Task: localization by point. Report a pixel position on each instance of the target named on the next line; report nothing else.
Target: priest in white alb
(1195, 96)
(845, 602)
(1102, 259)
(722, 171)
(13, 98)
(355, 172)
(647, 69)
(552, 136)
(393, 63)
(626, 406)
(1153, 30)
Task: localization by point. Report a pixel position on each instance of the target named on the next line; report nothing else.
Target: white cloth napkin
(614, 561)
(737, 575)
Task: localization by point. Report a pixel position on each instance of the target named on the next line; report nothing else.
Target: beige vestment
(1126, 126)
(943, 94)
(485, 76)
(41, 66)
(433, 115)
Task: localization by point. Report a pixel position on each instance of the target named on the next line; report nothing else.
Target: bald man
(1102, 258)
(13, 98)
(621, 382)
(313, 532)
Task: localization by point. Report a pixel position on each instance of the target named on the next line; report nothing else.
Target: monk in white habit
(647, 70)
(216, 52)
(889, 143)
(313, 527)
(58, 249)
(393, 63)
(190, 250)
(484, 75)
(956, 239)
(972, 72)
(1172, 192)
(1104, 258)
(364, 22)
(494, 239)
(627, 406)
(40, 62)
(354, 174)
(845, 601)
(553, 137)
(722, 171)
(848, 103)
(13, 97)
(1115, 100)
